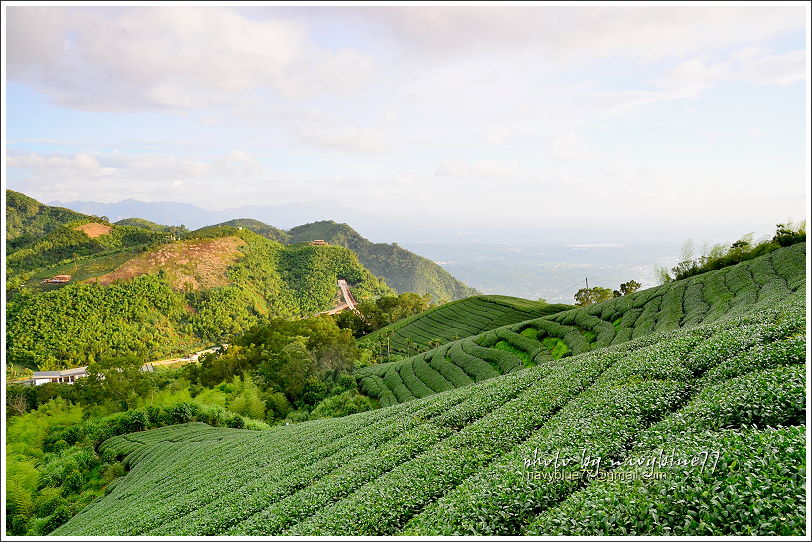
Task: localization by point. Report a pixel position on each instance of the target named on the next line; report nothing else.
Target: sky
(612, 123)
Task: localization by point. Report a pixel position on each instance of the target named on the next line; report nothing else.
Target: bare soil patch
(94, 229)
(195, 264)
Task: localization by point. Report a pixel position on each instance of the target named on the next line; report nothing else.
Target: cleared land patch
(198, 263)
(94, 229)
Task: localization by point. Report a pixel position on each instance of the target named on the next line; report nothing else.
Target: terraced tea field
(477, 459)
(698, 300)
(455, 320)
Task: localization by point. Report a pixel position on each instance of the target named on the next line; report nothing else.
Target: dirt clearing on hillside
(94, 229)
(195, 264)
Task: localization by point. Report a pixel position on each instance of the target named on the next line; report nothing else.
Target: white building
(68, 376)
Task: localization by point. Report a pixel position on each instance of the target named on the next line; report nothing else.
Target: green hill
(261, 228)
(684, 303)
(149, 225)
(74, 241)
(404, 271)
(158, 299)
(401, 269)
(688, 401)
(455, 320)
(28, 219)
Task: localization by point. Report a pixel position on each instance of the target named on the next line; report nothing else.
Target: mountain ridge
(402, 269)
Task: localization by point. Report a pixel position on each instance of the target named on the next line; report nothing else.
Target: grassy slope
(457, 320)
(403, 270)
(461, 462)
(689, 302)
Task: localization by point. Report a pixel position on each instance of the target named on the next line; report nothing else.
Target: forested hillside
(27, 219)
(401, 269)
(149, 225)
(404, 271)
(160, 298)
(261, 228)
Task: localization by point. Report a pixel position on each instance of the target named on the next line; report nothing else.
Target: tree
(662, 274)
(592, 295)
(17, 403)
(297, 365)
(687, 259)
(119, 379)
(789, 234)
(630, 287)
(373, 315)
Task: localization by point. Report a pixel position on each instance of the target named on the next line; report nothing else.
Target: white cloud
(119, 175)
(775, 69)
(77, 162)
(482, 168)
(692, 77)
(421, 84)
(350, 140)
(568, 146)
(639, 32)
(168, 57)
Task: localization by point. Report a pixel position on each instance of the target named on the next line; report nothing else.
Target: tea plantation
(679, 410)
(685, 303)
(455, 320)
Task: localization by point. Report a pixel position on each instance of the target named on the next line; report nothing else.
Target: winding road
(349, 301)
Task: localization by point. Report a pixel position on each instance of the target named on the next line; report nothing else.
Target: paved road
(348, 303)
(345, 291)
(186, 359)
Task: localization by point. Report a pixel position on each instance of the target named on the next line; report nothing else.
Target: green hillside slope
(684, 303)
(478, 459)
(455, 320)
(67, 243)
(404, 271)
(27, 219)
(162, 300)
(261, 228)
(149, 225)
